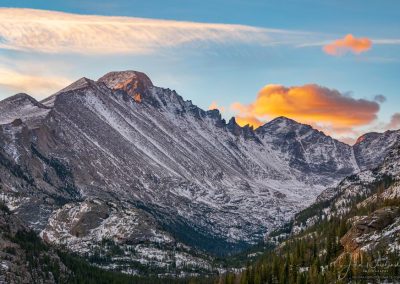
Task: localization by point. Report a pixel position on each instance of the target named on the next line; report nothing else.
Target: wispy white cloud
(375, 41)
(387, 41)
(57, 32)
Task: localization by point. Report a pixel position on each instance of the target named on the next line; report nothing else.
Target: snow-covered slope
(371, 148)
(208, 183)
(21, 106)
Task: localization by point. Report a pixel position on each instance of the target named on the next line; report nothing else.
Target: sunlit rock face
(135, 147)
(135, 84)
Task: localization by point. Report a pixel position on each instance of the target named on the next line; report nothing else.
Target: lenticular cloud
(55, 32)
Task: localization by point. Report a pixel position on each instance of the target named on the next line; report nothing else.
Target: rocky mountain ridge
(100, 156)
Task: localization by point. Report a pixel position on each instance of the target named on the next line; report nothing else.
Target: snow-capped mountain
(102, 156)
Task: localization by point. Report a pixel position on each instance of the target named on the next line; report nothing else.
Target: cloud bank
(57, 32)
(348, 44)
(324, 108)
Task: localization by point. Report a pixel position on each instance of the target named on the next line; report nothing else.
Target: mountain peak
(135, 84)
(281, 124)
(126, 80)
(19, 97)
(78, 84)
(364, 137)
(283, 120)
(21, 106)
(371, 136)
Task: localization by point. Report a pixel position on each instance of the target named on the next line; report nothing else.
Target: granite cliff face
(123, 160)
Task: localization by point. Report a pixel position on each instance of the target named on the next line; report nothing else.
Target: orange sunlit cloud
(348, 44)
(214, 105)
(324, 108)
(248, 120)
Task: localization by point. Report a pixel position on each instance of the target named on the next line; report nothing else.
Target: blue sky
(233, 68)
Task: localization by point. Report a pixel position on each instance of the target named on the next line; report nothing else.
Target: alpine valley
(131, 178)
